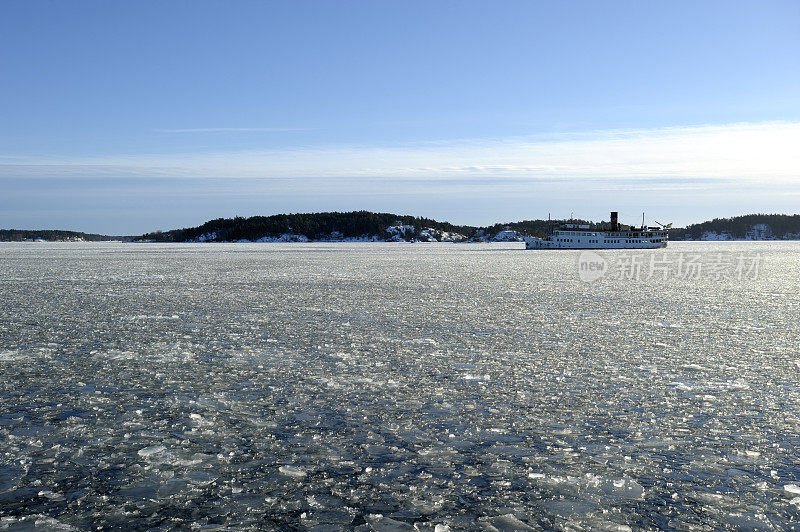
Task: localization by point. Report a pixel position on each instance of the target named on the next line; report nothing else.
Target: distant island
(365, 226)
(747, 227)
(357, 226)
(55, 235)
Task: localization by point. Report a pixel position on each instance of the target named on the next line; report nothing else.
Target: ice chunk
(292, 471)
(569, 508)
(477, 378)
(694, 367)
(506, 523)
(623, 488)
(33, 522)
(9, 356)
(201, 477)
(53, 496)
(379, 523)
(151, 450)
(326, 517)
(794, 489)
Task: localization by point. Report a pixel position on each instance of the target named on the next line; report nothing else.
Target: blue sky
(125, 117)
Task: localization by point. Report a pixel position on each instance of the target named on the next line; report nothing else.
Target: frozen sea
(395, 387)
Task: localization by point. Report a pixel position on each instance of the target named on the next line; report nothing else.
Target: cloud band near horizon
(747, 152)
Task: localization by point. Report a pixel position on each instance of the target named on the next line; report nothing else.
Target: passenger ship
(611, 235)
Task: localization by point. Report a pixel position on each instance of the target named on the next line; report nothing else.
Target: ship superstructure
(610, 235)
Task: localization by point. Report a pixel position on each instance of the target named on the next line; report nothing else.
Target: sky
(128, 117)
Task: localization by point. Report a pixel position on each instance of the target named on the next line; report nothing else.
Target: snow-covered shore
(394, 233)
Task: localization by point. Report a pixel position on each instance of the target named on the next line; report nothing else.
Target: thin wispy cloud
(234, 129)
(749, 152)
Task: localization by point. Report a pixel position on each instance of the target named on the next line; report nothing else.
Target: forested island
(365, 226)
(54, 235)
(371, 226)
(361, 226)
(747, 227)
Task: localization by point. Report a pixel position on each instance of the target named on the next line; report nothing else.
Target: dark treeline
(782, 226)
(315, 226)
(20, 235)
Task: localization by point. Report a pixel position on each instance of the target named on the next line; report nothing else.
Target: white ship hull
(586, 239)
